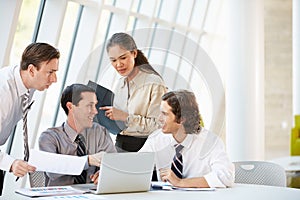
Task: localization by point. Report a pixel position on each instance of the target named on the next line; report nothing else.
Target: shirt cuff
(6, 162)
(213, 180)
(129, 120)
(133, 119)
(86, 166)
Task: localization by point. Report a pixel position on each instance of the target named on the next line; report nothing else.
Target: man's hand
(94, 177)
(20, 168)
(95, 159)
(170, 176)
(167, 174)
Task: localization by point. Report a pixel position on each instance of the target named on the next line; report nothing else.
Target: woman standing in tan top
(138, 93)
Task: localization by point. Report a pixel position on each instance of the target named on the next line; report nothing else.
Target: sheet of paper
(168, 186)
(48, 191)
(161, 185)
(194, 189)
(76, 197)
(56, 163)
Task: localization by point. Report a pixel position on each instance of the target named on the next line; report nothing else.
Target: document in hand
(56, 163)
(48, 191)
(105, 98)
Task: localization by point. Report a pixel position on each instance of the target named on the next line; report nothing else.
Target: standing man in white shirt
(200, 159)
(37, 71)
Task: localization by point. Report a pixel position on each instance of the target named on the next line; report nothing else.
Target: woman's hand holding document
(56, 163)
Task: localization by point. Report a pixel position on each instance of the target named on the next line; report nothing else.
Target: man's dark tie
(1, 181)
(25, 109)
(81, 151)
(177, 161)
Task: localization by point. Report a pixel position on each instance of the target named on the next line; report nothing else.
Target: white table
(238, 192)
(291, 164)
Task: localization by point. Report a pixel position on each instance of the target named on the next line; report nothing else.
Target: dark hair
(36, 53)
(127, 42)
(72, 94)
(184, 107)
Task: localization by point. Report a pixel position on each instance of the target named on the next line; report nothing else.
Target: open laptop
(125, 172)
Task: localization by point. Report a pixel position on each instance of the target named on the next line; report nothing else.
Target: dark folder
(105, 98)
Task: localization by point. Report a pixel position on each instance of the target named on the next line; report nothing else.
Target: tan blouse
(141, 100)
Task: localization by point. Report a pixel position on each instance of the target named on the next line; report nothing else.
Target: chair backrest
(260, 173)
(37, 179)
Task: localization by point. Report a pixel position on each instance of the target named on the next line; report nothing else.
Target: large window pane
(25, 29)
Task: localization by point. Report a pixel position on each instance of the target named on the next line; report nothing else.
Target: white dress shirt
(11, 89)
(203, 155)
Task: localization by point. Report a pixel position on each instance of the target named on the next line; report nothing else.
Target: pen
(29, 106)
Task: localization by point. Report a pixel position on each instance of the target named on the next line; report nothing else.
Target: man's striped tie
(25, 109)
(177, 167)
(81, 151)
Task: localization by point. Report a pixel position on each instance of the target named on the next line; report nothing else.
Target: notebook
(125, 172)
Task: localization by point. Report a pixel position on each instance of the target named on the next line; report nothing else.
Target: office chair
(37, 179)
(260, 173)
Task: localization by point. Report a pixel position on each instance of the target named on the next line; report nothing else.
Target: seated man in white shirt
(201, 161)
(79, 103)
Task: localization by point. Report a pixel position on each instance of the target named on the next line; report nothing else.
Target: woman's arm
(144, 108)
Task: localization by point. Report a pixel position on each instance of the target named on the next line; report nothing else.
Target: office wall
(278, 77)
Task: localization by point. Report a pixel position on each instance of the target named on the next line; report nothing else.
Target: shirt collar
(72, 134)
(123, 80)
(137, 80)
(187, 142)
(21, 89)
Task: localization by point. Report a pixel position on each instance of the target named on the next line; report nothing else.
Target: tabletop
(289, 163)
(238, 191)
